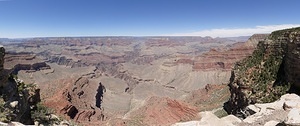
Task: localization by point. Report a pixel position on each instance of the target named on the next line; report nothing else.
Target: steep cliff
(3, 75)
(270, 72)
(16, 99)
(19, 101)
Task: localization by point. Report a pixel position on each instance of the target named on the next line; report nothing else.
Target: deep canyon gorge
(153, 80)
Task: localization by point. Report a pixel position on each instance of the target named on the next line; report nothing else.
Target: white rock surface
(209, 119)
(13, 104)
(189, 123)
(288, 105)
(290, 101)
(289, 97)
(3, 124)
(286, 109)
(231, 119)
(271, 123)
(293, 117)
(253, 108)
(15, 124)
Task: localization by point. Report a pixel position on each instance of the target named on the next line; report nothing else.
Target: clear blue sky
(35, 18)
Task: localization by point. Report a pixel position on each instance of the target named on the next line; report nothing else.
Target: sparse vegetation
(38, 113)
(42, 114)
(5, 113)
(261, 72)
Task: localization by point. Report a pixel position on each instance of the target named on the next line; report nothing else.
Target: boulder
(289, 97)
(288, 105)
(290, 101)
(13, 104)
(293, 117)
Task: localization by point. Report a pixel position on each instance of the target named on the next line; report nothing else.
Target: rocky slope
(162, 111)
(269, 73)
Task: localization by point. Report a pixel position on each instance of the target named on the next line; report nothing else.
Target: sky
(216, 18)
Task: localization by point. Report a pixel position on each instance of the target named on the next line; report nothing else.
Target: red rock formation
(222, 59)
(165, 111)
(74, 102)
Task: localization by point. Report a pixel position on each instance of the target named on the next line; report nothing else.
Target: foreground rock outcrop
(17, 99)
(284, 111)
(270, 72)
(20, 102)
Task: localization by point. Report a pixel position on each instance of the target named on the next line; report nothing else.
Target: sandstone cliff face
(268, 73)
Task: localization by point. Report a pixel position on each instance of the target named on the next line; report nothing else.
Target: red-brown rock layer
(222, 59)
(165, 111)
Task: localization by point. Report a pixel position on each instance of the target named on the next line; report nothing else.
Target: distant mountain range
(239, 38)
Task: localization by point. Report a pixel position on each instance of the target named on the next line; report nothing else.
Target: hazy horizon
(117, 36)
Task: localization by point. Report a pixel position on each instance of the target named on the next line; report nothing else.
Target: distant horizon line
(213, 33)
(137, 36)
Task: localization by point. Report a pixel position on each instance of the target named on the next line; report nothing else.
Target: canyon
(129, 80)
(264, 87)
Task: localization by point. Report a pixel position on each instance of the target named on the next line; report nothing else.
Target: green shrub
(6, 115)
(42, 114)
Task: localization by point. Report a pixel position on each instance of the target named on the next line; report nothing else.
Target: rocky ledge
(284, 111)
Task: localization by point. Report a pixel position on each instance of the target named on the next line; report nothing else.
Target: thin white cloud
(234, 32)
